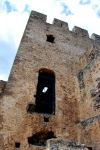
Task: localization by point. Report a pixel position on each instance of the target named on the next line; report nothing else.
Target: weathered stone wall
(89, 99)
(90, 89)
(2, 87)
(63, 57)
(62, 144)
(89, 132)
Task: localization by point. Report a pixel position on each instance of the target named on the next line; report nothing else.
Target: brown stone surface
(2, 86)
(62, 144)
(74, 58)
(89, 102)
(1, 142)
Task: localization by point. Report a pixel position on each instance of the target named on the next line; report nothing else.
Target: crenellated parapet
(63, 25)
(95, 37)
(38, 16)
(80, 31)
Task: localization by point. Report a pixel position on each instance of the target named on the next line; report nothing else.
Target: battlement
(80, 31)
(38, 16)
(63, 25)
(95, 37)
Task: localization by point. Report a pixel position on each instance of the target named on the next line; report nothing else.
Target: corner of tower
(38, 16)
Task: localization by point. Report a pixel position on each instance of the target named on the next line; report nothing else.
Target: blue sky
(14, 15)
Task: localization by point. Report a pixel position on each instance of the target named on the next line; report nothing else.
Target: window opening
(17, 145)
(40, 138)
(30, 108)
(90, 148)
(45, 95)
(50, 38)
(46, 119)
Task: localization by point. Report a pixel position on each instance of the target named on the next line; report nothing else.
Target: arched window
(45, 95)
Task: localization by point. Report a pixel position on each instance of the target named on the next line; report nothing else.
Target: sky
(15, 13)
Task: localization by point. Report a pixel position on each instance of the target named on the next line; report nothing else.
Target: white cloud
(83, 16)
(12, 24)
(19, 5)
(53, 8)
(3, 77)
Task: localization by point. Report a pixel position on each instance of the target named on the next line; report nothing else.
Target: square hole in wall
(17, 145)
(50, 38)
(46, 119)
(90, 148)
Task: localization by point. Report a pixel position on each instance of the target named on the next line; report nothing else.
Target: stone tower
(53, 90)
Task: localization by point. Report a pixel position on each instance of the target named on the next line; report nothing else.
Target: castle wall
(35, 52)
(89, 101)
(2, 87)
(90, 89)
(1, 127)
(62, 144)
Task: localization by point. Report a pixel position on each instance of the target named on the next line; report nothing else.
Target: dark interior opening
(45, 95)
(30, 108)
(40, 138)
(46, 119)
(17, 145)
(90, 148)
(50, 38)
